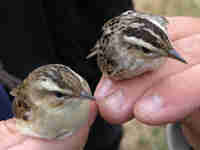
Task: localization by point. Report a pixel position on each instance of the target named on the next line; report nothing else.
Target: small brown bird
(133, 43)
(52, 102)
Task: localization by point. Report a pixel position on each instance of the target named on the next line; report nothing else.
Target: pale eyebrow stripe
(153, 25)
(157, 24)
(152, 33)
(50, 86)
(145, 36)
(139, 42)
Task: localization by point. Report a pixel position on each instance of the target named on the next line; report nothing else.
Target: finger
(16, 141)
(172, 99)
(117, 107)
(191, 130)
(11, 139)
(182, 27)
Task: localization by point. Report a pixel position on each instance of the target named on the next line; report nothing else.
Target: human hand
(11, 139)
(167, 95)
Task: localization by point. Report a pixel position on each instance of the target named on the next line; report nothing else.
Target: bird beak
(174, 54)
(86, 95)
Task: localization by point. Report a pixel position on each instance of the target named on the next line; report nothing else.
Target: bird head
(148, 34)
(51, 102)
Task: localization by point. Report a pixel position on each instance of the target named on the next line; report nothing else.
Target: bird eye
(59, 94)
(146, 51)
(128, 12)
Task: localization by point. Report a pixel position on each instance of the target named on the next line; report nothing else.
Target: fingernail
(103, 89)
(150, 104)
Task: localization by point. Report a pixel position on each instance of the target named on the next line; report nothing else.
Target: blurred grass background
(138, 136)
(170, 7)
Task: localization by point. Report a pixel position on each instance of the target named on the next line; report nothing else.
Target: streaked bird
(52, 102)
(133, 43)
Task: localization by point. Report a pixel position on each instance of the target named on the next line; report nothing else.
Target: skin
(16, 141)
(168, 95)
(131, 104)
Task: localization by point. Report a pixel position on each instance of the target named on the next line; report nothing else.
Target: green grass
(170, 7)
(142, 137)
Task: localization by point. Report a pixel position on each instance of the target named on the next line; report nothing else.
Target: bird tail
(93, 54)
(94, 51)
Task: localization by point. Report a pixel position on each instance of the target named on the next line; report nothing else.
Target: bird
(133, 43)
(51, 103)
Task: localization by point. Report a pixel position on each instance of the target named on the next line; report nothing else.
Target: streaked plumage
(132, 44)
(52, 101)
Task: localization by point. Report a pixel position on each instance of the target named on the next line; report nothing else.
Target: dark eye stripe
(146, 51)
(59, 94)
(149, 25)
(144, 35)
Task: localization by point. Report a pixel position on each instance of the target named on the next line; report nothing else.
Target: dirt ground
(137, 135)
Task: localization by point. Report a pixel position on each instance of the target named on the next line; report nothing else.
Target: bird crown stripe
(147, 36)
(152, 25)
(152, 33)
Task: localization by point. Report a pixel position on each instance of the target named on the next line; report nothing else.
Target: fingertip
(9, 127)
(103, 88)
(114, 108)
(148, 110)
(109, 106)
(92, 113)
